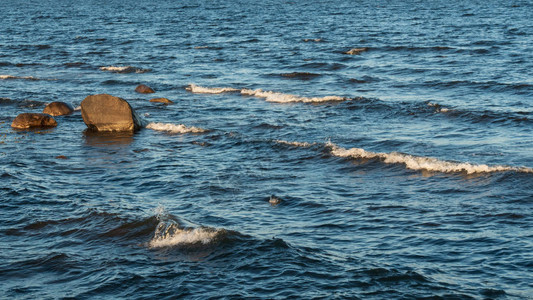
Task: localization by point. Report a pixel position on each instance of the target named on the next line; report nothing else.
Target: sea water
(315, 149)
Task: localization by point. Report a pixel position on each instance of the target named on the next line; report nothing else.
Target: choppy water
(285, 167)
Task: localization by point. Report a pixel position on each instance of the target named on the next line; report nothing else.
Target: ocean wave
(295, 144)
(193, 88)
(422, 163)
(173, 128)
(6, 77)
(288, 98)
(124, 69)
(267, 95)
(169, 233)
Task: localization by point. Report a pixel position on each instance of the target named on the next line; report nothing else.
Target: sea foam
(267, 95)
(124, 69)
(188, 236)
(422, 163)
(173, 128)
(295, 144)
(288, 98)
(169, 233)
(4, 77)
(193, 88)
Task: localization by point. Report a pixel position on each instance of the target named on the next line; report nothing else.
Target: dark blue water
(402, 170)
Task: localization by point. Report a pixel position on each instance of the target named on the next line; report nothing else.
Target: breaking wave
(169, 233)
(205, 90)
(295, 144)
(124, 69)
(6, 77)
(422, 163)
(173, 128)
(288, 98)
(267, 95)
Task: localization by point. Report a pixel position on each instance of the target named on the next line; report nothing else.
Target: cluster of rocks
(100, 112)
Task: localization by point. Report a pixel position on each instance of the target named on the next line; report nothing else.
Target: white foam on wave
(169, 233)
(438, 107)
(422, 163)
(4, 77)
(124, 69)
(267, 95)
(189, 236)
(295, 144)
(193, 88)
(288, 98)
(173, 128)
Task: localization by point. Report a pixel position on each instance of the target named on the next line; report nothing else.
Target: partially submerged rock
(58, 109)
(144, 89)
(104, 112)
(161, 100)
(33, 120)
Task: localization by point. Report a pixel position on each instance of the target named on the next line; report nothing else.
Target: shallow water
(285, 167)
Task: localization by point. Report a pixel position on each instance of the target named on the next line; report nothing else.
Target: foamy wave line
(295, 144)
(193, 88)
(173, 128)
(267, 95)
(189, 236)
(4, 77)
(422, 163)
(288, 98)
(125, 69)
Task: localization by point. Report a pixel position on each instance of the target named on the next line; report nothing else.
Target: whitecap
(295, 144)
(193, 88)
(422, 163)
(124, 69)
(169, 232)
(288, 98)
(181, 237)
(4, 77)
(173, 128)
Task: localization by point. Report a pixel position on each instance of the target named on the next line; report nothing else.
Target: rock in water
(58, 109)
(161, 100)
(144, 89)
(33, 120)
(104, 112)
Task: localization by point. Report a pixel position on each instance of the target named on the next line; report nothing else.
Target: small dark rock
(33, 120)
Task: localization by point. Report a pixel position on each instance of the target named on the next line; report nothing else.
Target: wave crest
(173, 128)
(124, 69)
(5, 77)
(170, 233)
(295, 144)
(422, 163)
(193, 88)
(288, 98)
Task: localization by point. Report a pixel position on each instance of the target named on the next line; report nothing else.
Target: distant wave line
(269, 96)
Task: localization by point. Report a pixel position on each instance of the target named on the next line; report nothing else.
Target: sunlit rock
(33, 120)
(144, 89)
(104, 112)
(58, 109)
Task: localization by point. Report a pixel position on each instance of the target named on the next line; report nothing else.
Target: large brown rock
(144, 89)
(104, 112)
(58, 109)
(33, 120)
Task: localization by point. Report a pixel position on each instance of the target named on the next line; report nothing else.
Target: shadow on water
(106, 139)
